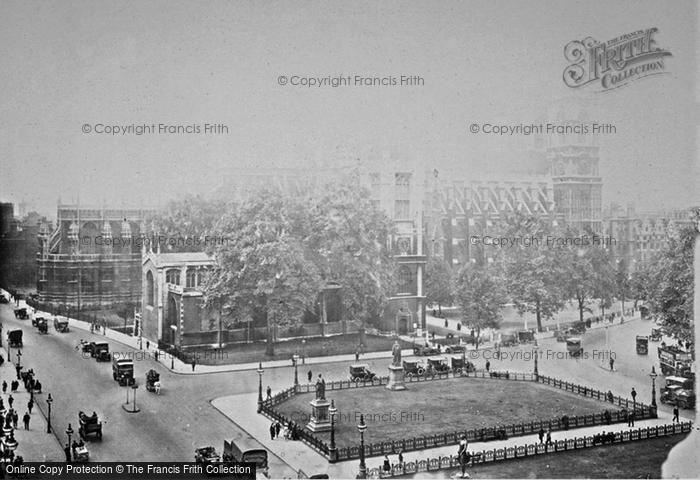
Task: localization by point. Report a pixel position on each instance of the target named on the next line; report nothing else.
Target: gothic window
(150, 289)
(172, 276)
(191, 278)
(405, 279)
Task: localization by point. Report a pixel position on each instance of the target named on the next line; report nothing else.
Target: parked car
(361, 373)
(455, 349)
(425, 350)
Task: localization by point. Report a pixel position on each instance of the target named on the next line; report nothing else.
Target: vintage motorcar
(42, 325)
(60, 325)
(459, 365)
(89, 425)
(413, 368)
(425, 350)
(21, 313)
(656, 334)
(360, 372)
(80, 453)
(438, 365)
(100, 351)
(206, 454)
(457, 348)
(152, 378)
(508, 339)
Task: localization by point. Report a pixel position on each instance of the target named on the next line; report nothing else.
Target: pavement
(34, 445)
(241, 409)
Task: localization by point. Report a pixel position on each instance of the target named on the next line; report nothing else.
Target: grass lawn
(284, 350)
(640, 459)
(440, 406)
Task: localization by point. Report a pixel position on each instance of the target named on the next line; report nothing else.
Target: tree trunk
(602, 309)
(580, 308)
(440, 310)
(270, 346)
(539, 317)
(478, 336)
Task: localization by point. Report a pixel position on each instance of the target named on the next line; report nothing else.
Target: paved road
(171, 425)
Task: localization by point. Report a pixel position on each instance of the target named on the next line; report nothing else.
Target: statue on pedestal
(396, 351)
(320, 388)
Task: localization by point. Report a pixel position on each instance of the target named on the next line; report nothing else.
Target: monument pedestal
(320, 419)
(395, 378)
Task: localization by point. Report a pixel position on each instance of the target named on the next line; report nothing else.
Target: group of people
(288, 432)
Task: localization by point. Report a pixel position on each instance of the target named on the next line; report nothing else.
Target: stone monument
(396, 369)
(320, 419)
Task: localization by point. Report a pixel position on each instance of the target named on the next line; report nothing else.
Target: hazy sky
(68, 63)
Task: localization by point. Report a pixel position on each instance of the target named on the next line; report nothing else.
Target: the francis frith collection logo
(614, 63)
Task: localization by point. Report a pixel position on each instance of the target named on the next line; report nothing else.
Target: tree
(579, 281)
(347, 241)
(186, 224)
(480, 295)
(263, 269)
(605, 277)
(671, 285)
(439, 282)
(534, 270)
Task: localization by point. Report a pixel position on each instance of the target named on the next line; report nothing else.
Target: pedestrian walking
(193, 364)
(30, 405)
(630, 419)
(541, 435)
(66, 450)
(148, 345)
(15, 419)
(386, 467)
(4, 387)
(272, 431)
(463, 456)
(488, 365)
(634, 395)
(675, 414)
(26, 419)
(278, 428)
(549, 437)
(612, 364)
(156, 355)
(269, 392)
(18, 369)
(10, 400)
(400, 457)
(357, 355)
(310, 376)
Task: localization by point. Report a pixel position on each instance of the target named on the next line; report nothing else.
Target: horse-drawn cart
(89, 426)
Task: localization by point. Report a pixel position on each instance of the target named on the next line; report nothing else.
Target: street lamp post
(653, 376)
(361, 428)
(69, 432)
(295, 358)
(332, 450)
(536, 355)
(49, 400)
(260, 397)
(19, 359)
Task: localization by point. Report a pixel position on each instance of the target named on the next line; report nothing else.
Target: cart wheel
(421, 371)
(458, 371)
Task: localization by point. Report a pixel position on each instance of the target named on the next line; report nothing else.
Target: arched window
(191, 278)
(172, 276)
(405, 279)
(150, 289)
